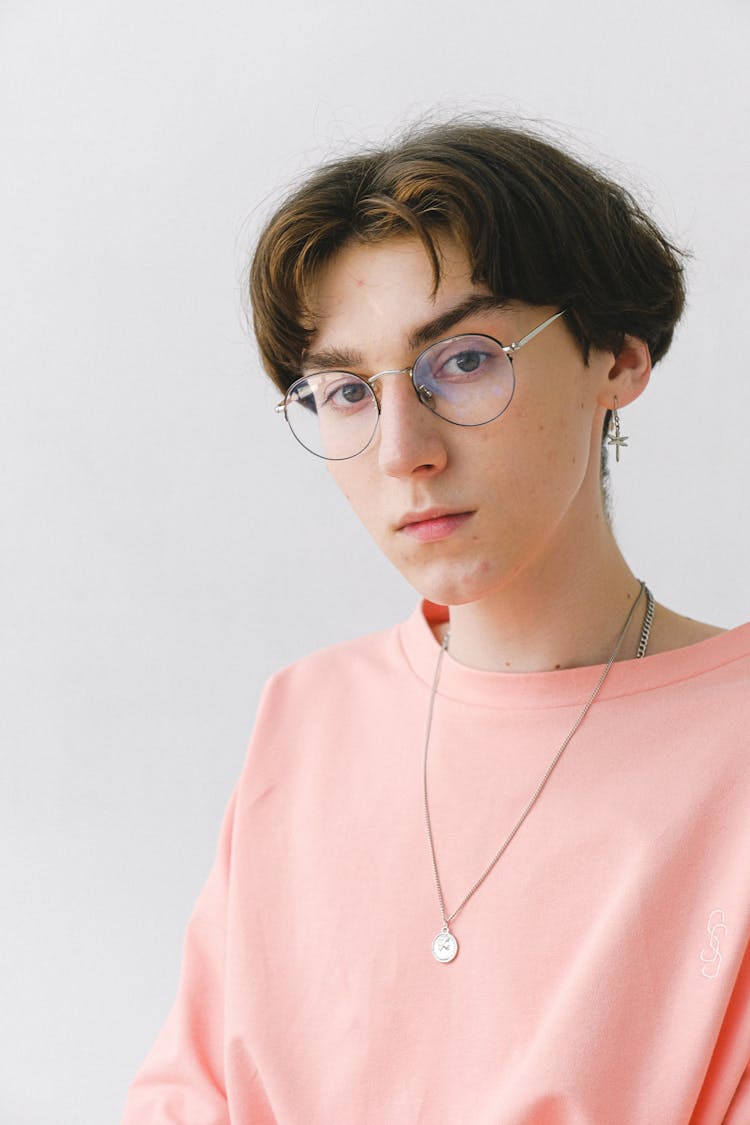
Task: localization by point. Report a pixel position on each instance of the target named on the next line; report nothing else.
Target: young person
(490, 865)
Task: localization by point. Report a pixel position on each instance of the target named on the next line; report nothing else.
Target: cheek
(341, 478)
(557, 431)
(501, 457)
(534, 462)
(358, 487)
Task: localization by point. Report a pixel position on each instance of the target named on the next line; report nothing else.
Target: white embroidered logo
(717, 927)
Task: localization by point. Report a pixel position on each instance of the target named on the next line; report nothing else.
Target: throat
(577, 630)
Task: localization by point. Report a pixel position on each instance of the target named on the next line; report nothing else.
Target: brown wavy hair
(537, 225)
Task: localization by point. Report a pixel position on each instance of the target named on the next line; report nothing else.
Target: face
(461, 511)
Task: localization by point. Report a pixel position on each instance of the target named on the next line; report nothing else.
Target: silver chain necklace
(445, 946)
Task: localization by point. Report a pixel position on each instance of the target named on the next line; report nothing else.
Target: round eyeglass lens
(467, 380)
(332, 414)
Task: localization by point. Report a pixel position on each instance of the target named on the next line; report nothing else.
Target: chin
(451, 585)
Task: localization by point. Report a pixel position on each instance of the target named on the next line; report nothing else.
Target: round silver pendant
(444, 947)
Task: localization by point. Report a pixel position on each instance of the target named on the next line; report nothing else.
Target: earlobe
(628, 373)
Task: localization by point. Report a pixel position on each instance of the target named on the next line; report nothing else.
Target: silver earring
(614, 437)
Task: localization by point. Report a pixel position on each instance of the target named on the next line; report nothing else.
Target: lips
(433, 523)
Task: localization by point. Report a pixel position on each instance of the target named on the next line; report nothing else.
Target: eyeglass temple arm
(280, 407)
(534, 332)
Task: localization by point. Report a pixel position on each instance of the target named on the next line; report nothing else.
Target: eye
(352, 392)
(343, 394)
(461, 360)
(467, 362)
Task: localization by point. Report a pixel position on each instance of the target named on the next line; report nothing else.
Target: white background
(165, 544)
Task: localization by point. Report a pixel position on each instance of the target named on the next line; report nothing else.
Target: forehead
(387, 290)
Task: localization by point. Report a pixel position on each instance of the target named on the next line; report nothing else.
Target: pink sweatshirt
(603, 975)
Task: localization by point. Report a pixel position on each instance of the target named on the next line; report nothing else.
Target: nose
(410, 438)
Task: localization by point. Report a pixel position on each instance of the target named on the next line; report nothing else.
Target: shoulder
(335, 699)
(345, 667)
(696, 662)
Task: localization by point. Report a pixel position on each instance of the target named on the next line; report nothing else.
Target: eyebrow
(343, 359)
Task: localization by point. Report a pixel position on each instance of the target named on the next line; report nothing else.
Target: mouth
(432, 524)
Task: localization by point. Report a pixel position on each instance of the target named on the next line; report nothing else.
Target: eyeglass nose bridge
(423, 393)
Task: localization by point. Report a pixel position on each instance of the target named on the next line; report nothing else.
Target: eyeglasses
(467, 380)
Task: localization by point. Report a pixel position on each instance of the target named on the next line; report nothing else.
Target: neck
(566, 611)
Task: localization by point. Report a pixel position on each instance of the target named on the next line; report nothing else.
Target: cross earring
(614, 437)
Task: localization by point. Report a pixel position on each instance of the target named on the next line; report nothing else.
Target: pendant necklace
(445, 946)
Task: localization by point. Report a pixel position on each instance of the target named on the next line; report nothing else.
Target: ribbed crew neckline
(563, 687)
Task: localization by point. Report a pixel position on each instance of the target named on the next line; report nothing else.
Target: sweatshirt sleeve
(725, 1094)
(182, 1078)
(735, 1044)
(739, 1110)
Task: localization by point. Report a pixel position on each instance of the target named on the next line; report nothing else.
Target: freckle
(541, 428)
(507, 663)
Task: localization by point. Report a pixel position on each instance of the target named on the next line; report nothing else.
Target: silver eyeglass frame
(422, 392)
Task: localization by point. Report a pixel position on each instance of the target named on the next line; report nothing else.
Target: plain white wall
(165, 544)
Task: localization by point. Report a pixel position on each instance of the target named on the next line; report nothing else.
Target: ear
(628, 374)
